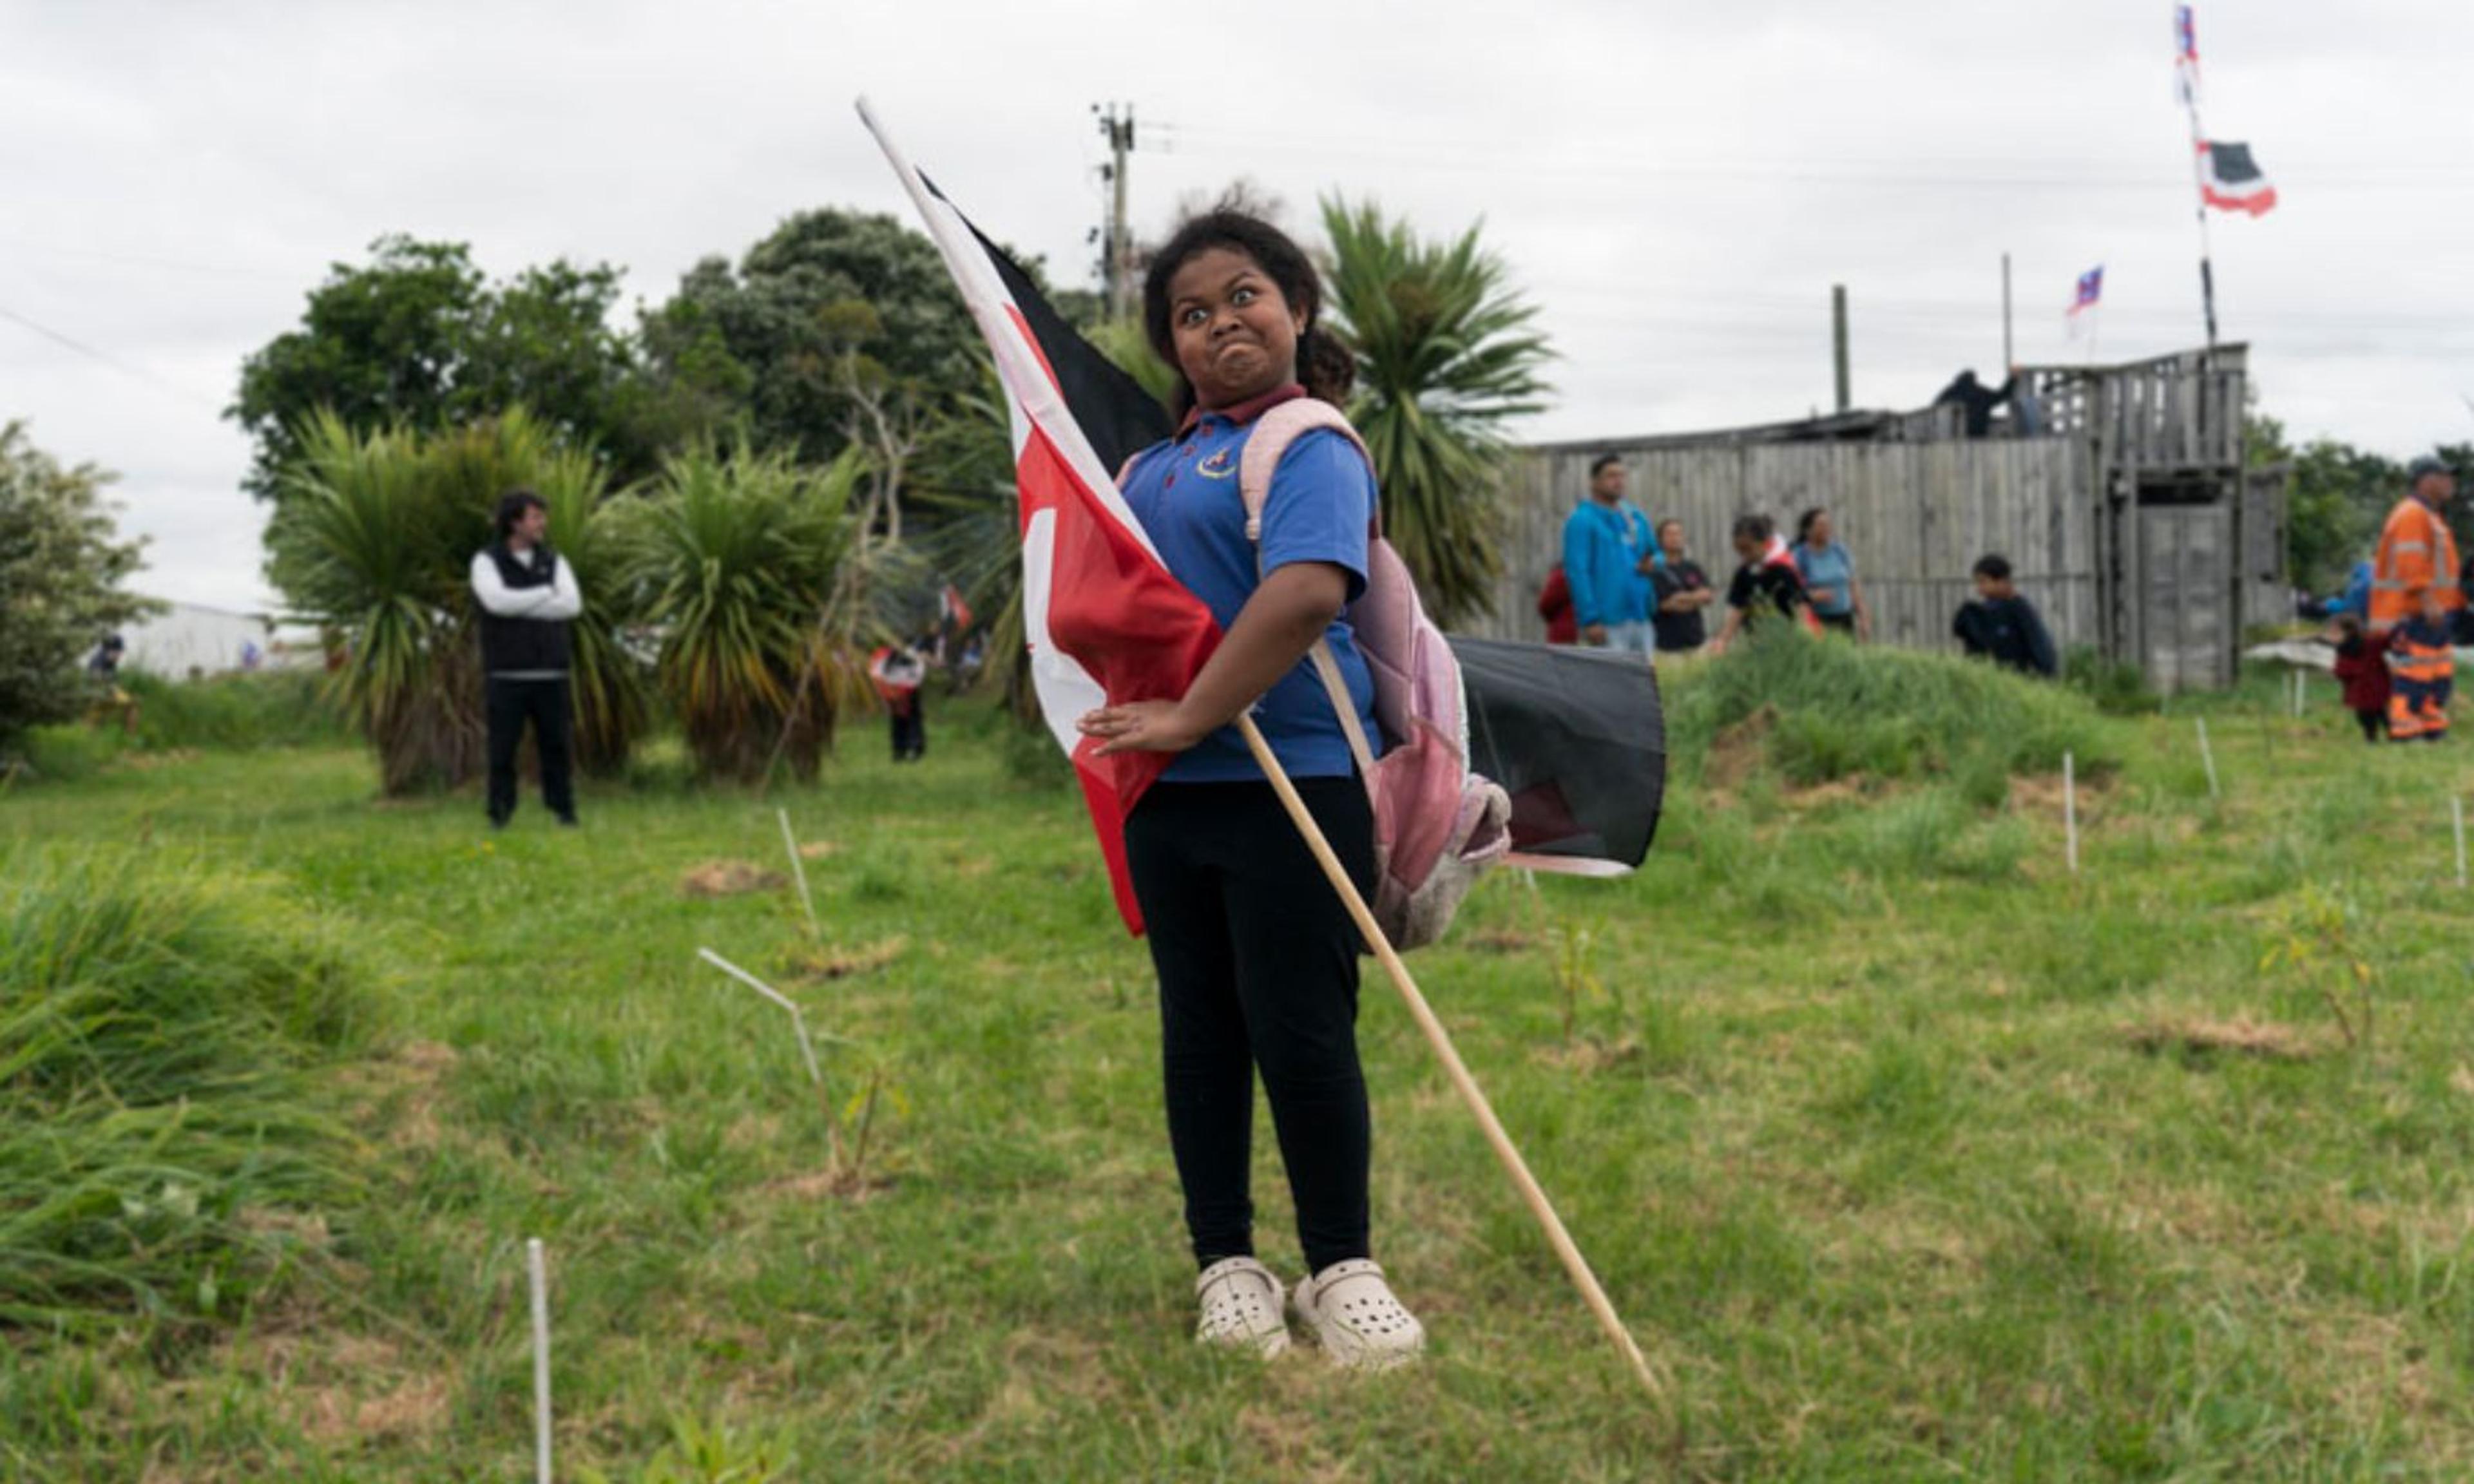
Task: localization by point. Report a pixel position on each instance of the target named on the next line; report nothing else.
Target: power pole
(2009, 357)
(1117, 254)
(1838, 340)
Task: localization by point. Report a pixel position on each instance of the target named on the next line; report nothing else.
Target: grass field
(1909, 1155)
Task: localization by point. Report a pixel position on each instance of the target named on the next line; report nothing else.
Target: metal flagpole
(2190, 80)
(1574, 1264)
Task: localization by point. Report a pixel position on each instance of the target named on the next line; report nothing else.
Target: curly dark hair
(1755, 528)
(1283, 262)
(512, 506)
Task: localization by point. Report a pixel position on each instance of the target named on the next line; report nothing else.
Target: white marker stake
(799, 869)
(2208, 757)
(541, 1359)
(798, 1018)
(2070, 808)
(2457, 809)
(2301, 693)
(807, 1047)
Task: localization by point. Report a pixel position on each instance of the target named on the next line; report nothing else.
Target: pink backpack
(1437, 826)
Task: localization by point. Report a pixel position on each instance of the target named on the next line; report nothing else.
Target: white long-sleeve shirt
(560, 600)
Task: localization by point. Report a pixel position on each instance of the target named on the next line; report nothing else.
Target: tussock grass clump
(273, 708)
(1822, 710)
(165, 1145)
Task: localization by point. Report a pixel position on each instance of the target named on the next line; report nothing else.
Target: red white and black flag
(1103, 619)
(2231, 181)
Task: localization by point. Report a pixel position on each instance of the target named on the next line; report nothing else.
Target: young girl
(2364, 671)
(1765, 578)
(1257, 959)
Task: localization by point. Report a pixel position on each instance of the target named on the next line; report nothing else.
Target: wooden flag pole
(1574, 1264)
(2208, 757)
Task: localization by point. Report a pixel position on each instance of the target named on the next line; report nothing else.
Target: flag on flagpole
(2231, 181)
(952, 612)
(2085, 301)
(2091, 290)
(1104, 621)
(2186, 56)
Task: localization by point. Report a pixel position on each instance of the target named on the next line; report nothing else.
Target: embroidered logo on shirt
(1217, 466)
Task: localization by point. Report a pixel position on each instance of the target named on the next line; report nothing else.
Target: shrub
(2115, 686)
(61, 575)
(60, 754)
(162, 1127)
(271, 708)
(746, 563)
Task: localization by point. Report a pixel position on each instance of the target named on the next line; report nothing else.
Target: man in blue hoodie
(1608, 550)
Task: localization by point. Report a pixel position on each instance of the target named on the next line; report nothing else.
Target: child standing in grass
(1256, 957)
(2364, 671)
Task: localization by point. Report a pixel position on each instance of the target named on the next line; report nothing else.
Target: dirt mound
(727, 878)
(848, 962)
(2240, 1036)
(1736, 752)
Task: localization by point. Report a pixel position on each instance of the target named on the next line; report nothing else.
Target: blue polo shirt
(1322, 501)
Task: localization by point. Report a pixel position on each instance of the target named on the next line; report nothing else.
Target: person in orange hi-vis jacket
(2417, 556)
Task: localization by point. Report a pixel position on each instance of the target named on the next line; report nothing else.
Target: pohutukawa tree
(62, 567)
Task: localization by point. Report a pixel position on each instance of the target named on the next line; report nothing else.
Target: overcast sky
(1675, 185)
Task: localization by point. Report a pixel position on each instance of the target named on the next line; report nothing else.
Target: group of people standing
(1626, 583)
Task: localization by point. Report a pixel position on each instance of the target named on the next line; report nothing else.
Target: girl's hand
(1139, 726)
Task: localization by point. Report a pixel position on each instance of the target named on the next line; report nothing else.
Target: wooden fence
(1915, 516)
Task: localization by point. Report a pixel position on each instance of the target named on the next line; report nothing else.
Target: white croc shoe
(1351, 1312)
(1240, 1308)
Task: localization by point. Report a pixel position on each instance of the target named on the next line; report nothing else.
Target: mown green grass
(1855, 1125)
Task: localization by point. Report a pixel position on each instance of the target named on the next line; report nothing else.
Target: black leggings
(1257, 964)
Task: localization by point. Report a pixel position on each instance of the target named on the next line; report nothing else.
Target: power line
(148, 260)
(105, 357)
(1894, 174)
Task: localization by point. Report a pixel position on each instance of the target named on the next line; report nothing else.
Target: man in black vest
(528, 597)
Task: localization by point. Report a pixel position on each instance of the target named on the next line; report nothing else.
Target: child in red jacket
(2364, 671)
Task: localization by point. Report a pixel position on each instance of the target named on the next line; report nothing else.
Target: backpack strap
(1266, 445)
(1269, 442)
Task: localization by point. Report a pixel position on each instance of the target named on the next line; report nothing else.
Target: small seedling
(2316, 941)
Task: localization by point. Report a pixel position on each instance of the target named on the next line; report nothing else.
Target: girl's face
(1822, 530)
(1236, 336)
(1747, 548)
